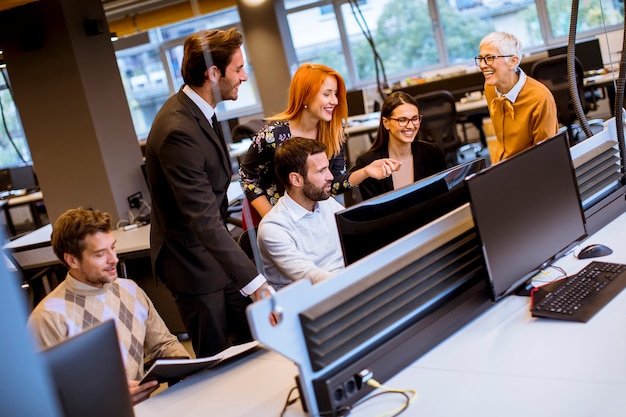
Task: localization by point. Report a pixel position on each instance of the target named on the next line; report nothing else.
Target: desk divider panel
(379, 314)
(599, 173)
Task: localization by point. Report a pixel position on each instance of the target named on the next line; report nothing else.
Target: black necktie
(218, 130)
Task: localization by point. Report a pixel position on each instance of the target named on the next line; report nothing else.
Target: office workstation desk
(503, 363)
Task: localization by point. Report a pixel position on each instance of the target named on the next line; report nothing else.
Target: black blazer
(189, 171)
(427, 160)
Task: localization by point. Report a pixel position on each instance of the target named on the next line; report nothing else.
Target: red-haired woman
(316, 110)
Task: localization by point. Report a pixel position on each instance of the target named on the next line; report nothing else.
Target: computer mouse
(593, 251)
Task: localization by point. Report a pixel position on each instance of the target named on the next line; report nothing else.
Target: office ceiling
(9, 4)
(112, 8)
(115, 9)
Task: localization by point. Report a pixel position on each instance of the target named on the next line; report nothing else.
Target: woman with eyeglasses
(522, 109)
(316, 109)
(396, 139)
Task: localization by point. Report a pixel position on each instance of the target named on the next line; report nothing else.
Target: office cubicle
(391, 307)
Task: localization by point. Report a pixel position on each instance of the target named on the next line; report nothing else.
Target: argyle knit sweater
(74, 306)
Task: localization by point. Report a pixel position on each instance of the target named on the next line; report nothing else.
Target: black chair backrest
(246, 244)
(439, 122)
(247, 130)
(552, 72)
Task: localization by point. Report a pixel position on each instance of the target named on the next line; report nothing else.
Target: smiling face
(406, 134)
(325, 101)
(235, 74)
(501, 73)
(98, 263)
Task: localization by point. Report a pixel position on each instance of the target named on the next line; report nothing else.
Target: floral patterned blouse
(256, 170)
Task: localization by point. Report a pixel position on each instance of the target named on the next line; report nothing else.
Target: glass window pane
(14, 149)
(592, 15)
(225, 18)
(468, 21)
(146, 84)
(402, 32)
(291, 4)
(321, 45)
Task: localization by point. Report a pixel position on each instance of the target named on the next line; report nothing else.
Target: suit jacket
(427, 160)
(189, 171)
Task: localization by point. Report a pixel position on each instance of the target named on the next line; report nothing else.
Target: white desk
(239, 149)
(30, 199)
(466, 106)
(504, 363)
(42, 255)
(128, 242)
(601, 80)
(363, 124)
(256, 386)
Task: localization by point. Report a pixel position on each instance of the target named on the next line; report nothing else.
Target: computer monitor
(356, 103)
(376, 222)
(527, 213)
(5, 179)
(89, 375)
(18, 178)
(588, 53)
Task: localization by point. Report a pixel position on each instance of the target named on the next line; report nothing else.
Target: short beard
(314, 193)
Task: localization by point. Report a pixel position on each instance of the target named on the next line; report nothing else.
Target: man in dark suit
(189, 171)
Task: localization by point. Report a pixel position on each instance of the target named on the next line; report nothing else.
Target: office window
(292, 4)
(402, 34)
(315, 37)
(592, 15)
(14, 149)
(146, 84)
(222, 19)
(466, 22)
(151, 71)
(416, 36)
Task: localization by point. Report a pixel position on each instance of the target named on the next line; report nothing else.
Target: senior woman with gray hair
(522, 109)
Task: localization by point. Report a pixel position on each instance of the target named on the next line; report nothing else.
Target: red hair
(304, 87)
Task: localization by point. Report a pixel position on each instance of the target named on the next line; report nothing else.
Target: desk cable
(408, 394)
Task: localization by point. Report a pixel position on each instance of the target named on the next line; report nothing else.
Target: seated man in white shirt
(298, 238)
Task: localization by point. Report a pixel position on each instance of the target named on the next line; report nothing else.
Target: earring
(306, 107)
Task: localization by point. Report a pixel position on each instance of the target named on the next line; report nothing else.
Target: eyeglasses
(489, 59)
(403, 121)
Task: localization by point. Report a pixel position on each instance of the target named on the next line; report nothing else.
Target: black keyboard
(580, 296)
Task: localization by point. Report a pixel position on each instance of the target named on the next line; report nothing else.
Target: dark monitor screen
(588, 53)
(379, 221)
(5, 179)
(527, 212)
(88, 374)
(18, 178)
(23, 178)
(356, 103)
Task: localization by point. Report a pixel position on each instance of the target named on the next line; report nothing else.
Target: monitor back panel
(89, 375)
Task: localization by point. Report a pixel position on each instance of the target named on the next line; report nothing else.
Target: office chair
(552, 72)
(245, 244)
(439, 123)
(37, 266)
(247, 130)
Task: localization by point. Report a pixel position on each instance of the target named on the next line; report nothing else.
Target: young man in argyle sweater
(92, 293)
